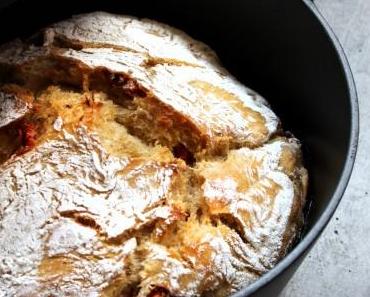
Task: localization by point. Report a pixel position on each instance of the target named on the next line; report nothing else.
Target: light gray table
(339, 264)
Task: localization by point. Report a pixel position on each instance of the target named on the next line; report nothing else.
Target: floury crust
(142, 167)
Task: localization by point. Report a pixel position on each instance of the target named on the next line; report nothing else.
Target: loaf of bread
(134, 164)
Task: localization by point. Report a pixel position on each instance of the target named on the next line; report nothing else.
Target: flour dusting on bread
(133, 164)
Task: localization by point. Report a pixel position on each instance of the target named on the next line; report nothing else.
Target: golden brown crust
(183, 99)
(135, 165)
(249, 190)
(84, 222)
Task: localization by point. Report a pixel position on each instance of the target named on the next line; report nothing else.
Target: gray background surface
(339, 264)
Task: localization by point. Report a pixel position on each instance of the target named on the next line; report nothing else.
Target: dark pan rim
(325, 217)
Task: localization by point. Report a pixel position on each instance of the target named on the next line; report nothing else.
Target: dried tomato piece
(27, 136)
(181, 152)
(159, 292)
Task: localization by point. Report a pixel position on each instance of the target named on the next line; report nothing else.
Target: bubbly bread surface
(133, 164)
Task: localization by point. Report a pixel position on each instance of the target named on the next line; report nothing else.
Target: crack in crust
(179, 101)
(143, 167)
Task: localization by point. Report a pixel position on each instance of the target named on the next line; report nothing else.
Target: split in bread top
(138, 166)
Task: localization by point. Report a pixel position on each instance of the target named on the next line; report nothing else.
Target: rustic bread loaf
(133, 164)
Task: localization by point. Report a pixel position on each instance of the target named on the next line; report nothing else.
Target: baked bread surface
(133, 164)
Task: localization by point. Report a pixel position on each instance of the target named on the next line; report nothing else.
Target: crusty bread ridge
(134, 164)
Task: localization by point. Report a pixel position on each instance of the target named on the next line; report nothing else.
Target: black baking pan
(283, 49)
